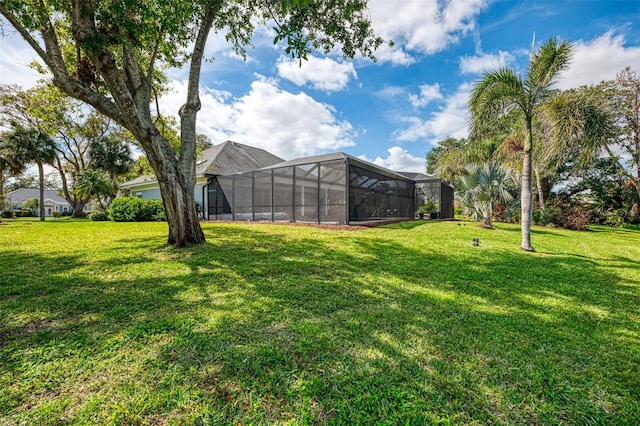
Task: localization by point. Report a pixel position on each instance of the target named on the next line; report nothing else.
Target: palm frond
(577, 121)
(546, 65)
(494, 94)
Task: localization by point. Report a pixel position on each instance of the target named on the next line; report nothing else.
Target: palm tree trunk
(41, 177)
(539, 188)
(526, 196)
(526, 201)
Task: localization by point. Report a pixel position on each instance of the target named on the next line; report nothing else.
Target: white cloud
(286, 124)
(422, 26)
(394, 54)
(599, 59)
(401, 160)
(485, 62)
(450, 120)
(321, 73)
(14, 62)
(427, 94)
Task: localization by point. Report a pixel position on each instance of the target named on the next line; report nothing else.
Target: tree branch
(618, 163)
(189, 110)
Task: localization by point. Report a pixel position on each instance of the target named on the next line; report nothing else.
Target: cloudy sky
(395, 110)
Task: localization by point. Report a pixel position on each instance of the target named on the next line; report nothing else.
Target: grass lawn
(100, 323)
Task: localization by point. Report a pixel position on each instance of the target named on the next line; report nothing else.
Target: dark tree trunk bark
(78, 209)
(179, 204)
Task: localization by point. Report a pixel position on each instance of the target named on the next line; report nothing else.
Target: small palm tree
(26, 146)
(483, 187)
(501, 91)
(95, 183)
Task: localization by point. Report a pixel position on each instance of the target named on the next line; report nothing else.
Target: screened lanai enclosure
(333, 188)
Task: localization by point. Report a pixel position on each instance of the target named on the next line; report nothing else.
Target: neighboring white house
(223, 159)
(52, 201)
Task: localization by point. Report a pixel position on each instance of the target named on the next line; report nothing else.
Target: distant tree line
(89, 153)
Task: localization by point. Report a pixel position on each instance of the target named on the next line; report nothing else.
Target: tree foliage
(31, 204)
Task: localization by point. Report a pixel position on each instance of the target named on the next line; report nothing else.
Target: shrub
(56, 214)
(578, 218)
(99, 216)
(506, 214)
(6, 214)
(563, 214)
(64, 214)
(25, 213)
(125, 209)
(134, 209)
(160, 215)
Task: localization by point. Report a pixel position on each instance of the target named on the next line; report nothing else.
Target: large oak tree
(108, 54)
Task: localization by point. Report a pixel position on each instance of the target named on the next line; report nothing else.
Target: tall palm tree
(501, 91)
(27, 146)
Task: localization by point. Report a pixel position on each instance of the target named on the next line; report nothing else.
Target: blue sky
(392, 111)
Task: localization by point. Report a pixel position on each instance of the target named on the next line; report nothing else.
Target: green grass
(100, 323)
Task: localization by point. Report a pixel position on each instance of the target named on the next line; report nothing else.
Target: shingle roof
(230, 157)
(20, 195)
(223, 159)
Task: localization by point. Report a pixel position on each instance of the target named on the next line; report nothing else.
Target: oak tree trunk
(78, 209)
(177, 190)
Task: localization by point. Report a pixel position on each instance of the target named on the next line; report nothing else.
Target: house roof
(22, 194)
(225, 158)
(230, 157)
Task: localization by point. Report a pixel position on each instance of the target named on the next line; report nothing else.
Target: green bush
(134, 209)
(56, 214)
(25, 213)
(99, 216)
(64, 214)
(6, 214)
(125, 209)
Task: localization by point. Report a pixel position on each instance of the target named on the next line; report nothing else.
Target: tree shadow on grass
(263, 327)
